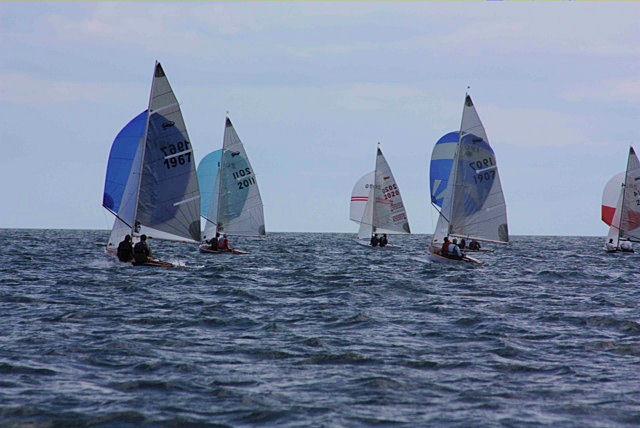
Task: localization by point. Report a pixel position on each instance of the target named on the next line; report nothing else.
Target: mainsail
(624, 220)
(376, 202)
(472, 204)
(232, 202)
(151, 184)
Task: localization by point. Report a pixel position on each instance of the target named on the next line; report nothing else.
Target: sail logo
(234, 154)
(168, 124)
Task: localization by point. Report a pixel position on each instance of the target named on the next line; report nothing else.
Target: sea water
(313, 329)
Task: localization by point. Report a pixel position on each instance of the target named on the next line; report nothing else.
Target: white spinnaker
(389, 214)
(630, 210)
(239, 208)
(360, 196)
(361, 207)
(610, 197)
(478, 208)
(614, 228)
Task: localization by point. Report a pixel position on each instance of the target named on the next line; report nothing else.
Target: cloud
(25, 89)
(613, 90)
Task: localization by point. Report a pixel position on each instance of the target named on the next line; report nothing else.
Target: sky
(312, 88)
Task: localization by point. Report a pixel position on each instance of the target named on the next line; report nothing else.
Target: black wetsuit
(141, 253)
(383, 241)
(213, 244)
(125, 251)
(374, 241)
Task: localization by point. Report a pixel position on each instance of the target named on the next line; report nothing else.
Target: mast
(375, 184)
(144, 146)
(624, 185)
(220, 170)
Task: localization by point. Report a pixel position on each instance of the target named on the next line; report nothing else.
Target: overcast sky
(311, 89)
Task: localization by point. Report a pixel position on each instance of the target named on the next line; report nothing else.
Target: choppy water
(312, 329)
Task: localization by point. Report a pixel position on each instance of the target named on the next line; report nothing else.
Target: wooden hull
(205, 249)
(437, 258)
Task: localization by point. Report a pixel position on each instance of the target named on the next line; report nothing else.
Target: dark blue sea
(315, 330)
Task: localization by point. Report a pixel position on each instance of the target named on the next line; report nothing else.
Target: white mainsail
(235, 206)
(376, 202)
(161, 197)
(473, 204)
(625, 222)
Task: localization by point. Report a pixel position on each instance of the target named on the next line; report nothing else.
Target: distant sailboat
(465, 187)
(151, 185)
(621, 206)
(231, 202)
(376, 203)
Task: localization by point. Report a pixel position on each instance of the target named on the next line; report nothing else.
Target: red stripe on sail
(359, 198)
(607, 214)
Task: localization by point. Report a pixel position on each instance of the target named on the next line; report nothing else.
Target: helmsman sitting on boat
(125, 250)
(610, 247)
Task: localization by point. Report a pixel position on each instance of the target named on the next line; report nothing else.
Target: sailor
(474, 245)
(125, 250)
(223, 244)
(383, 241)
(444, 251)
(610, 246)
(462, 244)
(374, 240)
(454, 250)
(214, 242)
(141, 251)
(626, 246)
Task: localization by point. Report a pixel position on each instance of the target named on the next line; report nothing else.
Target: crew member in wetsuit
(125, 250)
(214, 242)
(374, 240)
(383, 241)
(223, 245)
(454, 250)
(141, 251)
(474, 245)
(444, 251)
(462, 244)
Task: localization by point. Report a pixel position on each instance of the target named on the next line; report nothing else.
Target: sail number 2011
(244, 177)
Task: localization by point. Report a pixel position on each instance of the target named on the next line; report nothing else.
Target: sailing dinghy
(466, 189)
(621, 207)
(376, 203)
(151, 186)
(231, 202)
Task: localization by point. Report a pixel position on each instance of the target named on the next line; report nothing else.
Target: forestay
(236, 206)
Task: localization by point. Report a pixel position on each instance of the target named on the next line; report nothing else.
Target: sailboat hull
(204, 248)
(366, 243)
(436, 258)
